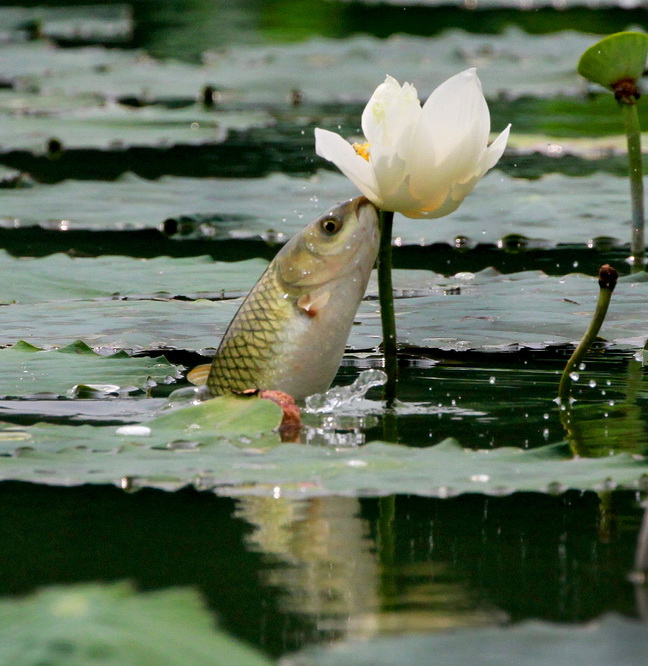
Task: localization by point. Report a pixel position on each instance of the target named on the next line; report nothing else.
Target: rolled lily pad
(113, 624)
(609, 640)
(615, 58)
(74, 455)
(26, 370)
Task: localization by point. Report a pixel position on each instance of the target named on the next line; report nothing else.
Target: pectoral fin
(311, 304)
(199, 374)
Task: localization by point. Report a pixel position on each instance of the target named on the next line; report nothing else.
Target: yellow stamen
(362, 149)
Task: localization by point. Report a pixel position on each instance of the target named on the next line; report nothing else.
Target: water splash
(343, 395)
(189, 395)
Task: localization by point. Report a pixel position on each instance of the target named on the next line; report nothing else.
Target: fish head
(341, 242)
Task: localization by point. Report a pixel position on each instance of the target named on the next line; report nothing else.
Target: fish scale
(257, 329)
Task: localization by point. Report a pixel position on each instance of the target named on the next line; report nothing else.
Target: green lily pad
(117, 127)
(278, 206)
(490, 311)
(113, 624)
(243, 421)
(615, 58)
(99, 23)
(256, 467)
(329, 70)
(486, 310)
(223, 208)
(609, 640)
(26, 370)
(61, 277)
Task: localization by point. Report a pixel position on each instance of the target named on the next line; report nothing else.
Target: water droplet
(574, 376)
(134, 430)
(582, 366)
(592, 383)
(357, 463)
(491, 380)
(545, 416)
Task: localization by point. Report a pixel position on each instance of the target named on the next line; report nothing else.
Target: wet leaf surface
(27, 370)
(252, 466)
(486, 311)
(278, 206)
(114, 624)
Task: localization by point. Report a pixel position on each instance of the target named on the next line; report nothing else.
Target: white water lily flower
(420, 162)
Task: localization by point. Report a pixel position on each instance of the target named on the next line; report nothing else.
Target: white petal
(392, 112)
(494, 151)
(333, 147)
(457, 111)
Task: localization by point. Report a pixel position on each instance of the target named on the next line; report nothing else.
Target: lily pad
(244, 421)
(248, 467)
(342, 70)
(99, 23)
(609, 640)
(490, 311)
(278, 206)
(61, 277)
(26, 370)
(615, 58)
(486, 311)
(113, 624)
(212, 208)
(115, 127)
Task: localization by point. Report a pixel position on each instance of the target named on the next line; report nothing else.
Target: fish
(291, 330)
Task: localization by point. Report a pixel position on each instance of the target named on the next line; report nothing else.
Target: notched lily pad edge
(618, 472)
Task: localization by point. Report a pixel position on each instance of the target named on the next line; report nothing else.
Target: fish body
(291, 331)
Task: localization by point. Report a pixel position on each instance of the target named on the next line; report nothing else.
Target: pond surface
(153, 158)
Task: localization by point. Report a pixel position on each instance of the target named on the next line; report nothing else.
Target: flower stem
(635, 171)
(386, 298)
(607, 282)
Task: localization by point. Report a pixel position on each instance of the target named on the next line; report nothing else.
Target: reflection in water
(611, 425)
(325, 563)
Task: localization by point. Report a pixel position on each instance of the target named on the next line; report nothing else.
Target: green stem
(607, 282)
(635, 171)
(386, 298)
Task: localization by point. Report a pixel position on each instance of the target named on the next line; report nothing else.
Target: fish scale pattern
(255, 337)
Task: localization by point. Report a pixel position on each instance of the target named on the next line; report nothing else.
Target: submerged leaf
(113, 624)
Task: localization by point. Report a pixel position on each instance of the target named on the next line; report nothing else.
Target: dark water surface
(283, 573)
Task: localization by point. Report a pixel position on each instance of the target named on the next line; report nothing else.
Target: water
(316, 570)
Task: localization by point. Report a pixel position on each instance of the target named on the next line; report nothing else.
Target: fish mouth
(368, 216)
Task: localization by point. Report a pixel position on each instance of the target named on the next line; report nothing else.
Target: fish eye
(331, 225)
